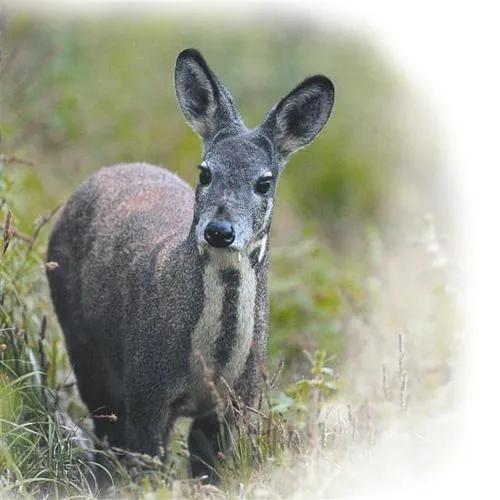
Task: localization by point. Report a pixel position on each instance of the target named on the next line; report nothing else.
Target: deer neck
(225, 330)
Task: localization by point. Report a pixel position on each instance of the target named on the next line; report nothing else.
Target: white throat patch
(210, 324)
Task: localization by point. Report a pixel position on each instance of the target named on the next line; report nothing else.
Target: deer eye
(263, 184)
(205, 175)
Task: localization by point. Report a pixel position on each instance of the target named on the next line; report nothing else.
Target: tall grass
(39, 452)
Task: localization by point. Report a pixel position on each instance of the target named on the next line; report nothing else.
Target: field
(362, 290)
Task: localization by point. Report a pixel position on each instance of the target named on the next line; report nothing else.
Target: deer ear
(206, 104)
(299, 117)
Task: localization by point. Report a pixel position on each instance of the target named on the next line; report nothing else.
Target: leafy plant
(307, 394)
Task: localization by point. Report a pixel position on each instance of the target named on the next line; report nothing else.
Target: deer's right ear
(206, 104)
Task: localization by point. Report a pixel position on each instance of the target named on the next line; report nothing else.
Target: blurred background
(362, 242)
(84, 92)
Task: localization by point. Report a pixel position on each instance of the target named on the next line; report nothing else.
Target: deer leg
(151, 406)
(207, 438)
(148, 426)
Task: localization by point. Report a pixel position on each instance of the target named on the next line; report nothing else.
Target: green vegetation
(347, 275)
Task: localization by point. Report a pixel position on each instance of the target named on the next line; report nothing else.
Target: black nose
(219, 234)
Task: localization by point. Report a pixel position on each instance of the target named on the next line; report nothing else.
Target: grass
(361, 294)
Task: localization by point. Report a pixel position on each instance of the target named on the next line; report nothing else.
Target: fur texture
(150, 312)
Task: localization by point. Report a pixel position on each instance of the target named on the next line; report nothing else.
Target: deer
(158, 285)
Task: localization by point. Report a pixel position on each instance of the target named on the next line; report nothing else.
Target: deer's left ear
(299, 117)
(206, 104)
